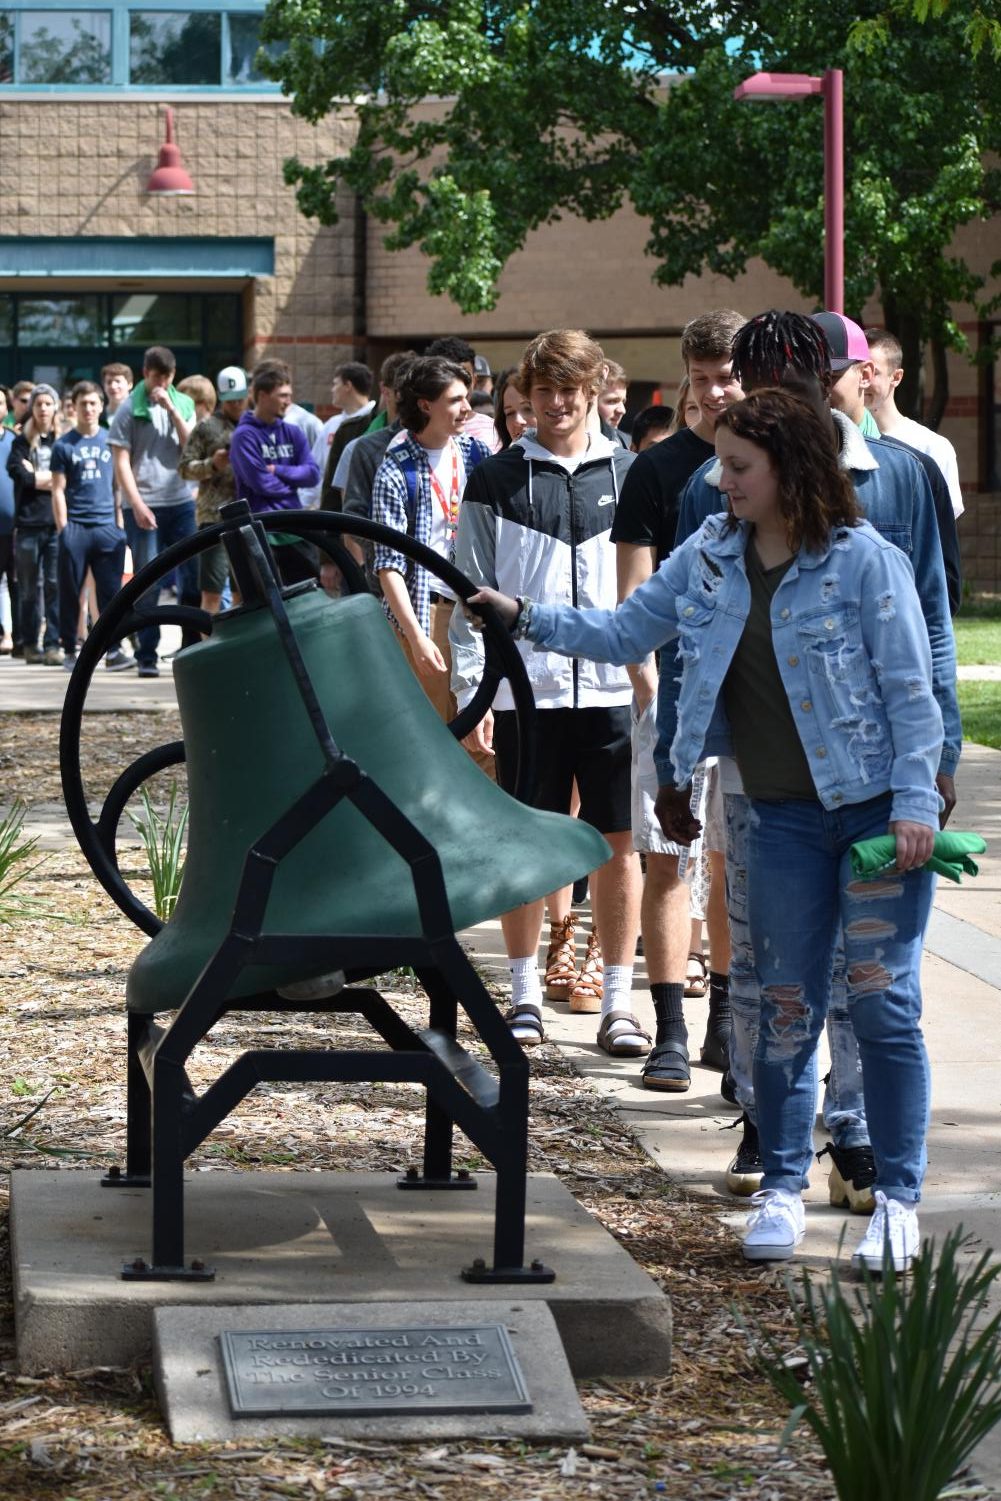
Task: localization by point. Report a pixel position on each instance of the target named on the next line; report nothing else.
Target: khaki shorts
(707, 801)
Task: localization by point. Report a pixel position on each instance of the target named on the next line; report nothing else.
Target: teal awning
(99, 256)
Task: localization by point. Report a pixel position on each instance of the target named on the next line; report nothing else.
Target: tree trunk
(910, 392)
(940, 391)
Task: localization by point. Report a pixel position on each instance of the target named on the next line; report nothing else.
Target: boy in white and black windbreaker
(536, 522)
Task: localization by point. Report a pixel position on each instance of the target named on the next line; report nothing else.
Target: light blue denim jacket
(850, 643)
(894, 495)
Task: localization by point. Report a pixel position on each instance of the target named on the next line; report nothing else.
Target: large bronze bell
(251, 750)
(335, 824)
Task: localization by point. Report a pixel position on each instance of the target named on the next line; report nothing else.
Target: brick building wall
(597, 276)
(78, 166)
(980, 539)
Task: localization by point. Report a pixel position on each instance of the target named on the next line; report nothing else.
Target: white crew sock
(526, 990)
(617, 996)
(526, 987)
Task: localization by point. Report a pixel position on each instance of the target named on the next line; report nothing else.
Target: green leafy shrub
(902, 1375)
(164, 842)
(15, 855)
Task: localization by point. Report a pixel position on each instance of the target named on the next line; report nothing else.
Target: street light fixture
(169, 178)
(831, 88)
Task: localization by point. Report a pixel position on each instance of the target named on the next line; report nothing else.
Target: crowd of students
(796, 573)
(736, 621)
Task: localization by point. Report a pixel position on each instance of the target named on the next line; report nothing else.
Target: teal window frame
(119, 82)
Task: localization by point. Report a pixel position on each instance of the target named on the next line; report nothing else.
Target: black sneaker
(118, 660)
(728, 1088)
(853, 1172)
(744, 1175)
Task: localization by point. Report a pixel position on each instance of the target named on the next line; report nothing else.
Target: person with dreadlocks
(893, 493)
(790, 599)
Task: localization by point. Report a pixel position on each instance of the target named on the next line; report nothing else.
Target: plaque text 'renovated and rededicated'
(466, 1368)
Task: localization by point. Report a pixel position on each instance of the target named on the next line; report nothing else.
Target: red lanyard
(449, 507)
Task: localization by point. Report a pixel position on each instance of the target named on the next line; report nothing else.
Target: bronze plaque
(463, 1368)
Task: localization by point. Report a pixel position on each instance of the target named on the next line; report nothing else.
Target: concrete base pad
(281, 1238)
(192, 1389)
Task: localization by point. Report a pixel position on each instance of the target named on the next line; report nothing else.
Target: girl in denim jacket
(804, 647)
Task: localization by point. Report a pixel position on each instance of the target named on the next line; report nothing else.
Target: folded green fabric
(950, 857)
(140, 402)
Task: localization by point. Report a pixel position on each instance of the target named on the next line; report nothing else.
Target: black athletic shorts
(297, 561)
(592, 745)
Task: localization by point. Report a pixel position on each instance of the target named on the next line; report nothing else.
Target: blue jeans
(9, 572)
(102, 550)
(36, 558)
(173, 524)
(800, 887)
(844, 1103)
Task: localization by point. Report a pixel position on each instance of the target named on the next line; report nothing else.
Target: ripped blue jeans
(844, 1104)
(800, 889)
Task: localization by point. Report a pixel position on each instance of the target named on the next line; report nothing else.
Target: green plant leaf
(163, 839)
(904, 1376)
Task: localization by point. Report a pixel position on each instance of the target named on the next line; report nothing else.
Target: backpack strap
(473, 453)
(407, 466)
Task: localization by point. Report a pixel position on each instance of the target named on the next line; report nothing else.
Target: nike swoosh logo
(607, 500)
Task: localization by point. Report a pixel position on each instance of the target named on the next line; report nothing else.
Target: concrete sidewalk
(34, 690)
(685, 1134)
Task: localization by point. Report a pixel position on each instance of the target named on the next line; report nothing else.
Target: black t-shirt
(647, 512)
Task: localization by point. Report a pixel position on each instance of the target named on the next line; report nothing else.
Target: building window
(6, 47)
(62, 46)
(244, 44)
(170, 318)
(173, 48)
(72, 322)
(155, 45)
(69, 337)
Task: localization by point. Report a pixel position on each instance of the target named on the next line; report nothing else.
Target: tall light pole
(831, 88)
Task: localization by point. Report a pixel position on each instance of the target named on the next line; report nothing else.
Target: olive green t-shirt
(769, 752)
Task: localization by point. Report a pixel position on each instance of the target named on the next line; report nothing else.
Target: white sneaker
(894, 1224)
(776, 1226)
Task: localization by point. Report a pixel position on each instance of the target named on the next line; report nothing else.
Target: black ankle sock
(669, 1009)
(719, 996)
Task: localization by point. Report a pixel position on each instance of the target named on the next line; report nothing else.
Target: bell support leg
(138, 1107)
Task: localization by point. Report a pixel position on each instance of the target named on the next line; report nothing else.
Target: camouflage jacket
(215, 488)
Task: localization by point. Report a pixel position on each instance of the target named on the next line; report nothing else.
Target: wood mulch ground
(709, 1433)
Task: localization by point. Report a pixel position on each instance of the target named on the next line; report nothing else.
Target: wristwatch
(523, 619)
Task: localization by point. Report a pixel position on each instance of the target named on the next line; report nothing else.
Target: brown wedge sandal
(561, 960)
(587, 989)
(697, 976)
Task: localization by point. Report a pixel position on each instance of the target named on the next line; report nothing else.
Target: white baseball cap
(232, 383)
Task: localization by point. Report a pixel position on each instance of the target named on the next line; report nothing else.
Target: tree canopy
(554, 107)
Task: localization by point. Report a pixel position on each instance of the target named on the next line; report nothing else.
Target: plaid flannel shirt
(406, 463)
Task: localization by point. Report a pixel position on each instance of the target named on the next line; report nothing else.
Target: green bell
(251, 752)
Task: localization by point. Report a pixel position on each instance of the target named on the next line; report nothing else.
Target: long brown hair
(815, 494)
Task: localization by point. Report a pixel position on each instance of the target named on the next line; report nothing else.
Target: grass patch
(980, 706)
(986, 605)
(978, 640)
